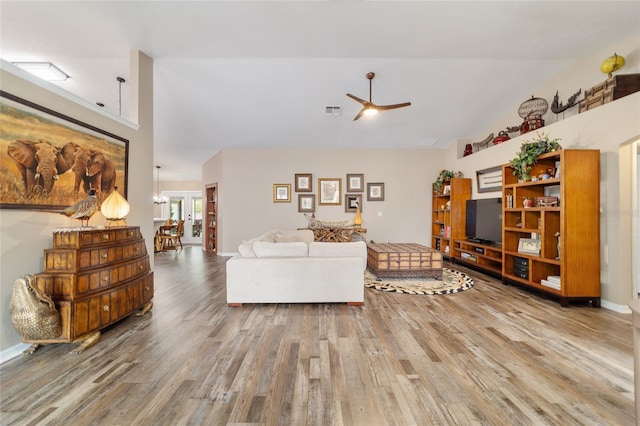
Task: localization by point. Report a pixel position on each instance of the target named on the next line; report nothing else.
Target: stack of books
(552, 281)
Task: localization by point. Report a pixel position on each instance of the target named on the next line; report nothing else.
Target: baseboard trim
(623, 309)
(12, 352)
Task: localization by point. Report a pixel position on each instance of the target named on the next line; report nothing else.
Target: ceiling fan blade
(355, 98)
(394, 106)
(359, 114)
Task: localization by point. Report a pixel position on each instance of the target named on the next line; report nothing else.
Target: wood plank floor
(492, 355)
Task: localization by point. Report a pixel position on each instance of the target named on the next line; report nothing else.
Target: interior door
(187, 206)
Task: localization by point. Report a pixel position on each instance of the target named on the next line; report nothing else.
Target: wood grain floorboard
(492, 355)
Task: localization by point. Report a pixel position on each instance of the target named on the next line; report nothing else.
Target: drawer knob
(136, 248)
(104, 255)
(105, 236)
(105, 279)
(146, 288)
(131, 233)
(141, 267)
(105, 308)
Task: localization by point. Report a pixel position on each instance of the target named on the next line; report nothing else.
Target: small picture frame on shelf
(529, 246)
(446, 190)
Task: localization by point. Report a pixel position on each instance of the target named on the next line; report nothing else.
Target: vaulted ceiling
(260, 73)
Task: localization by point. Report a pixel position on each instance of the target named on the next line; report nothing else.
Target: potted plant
(529, 152)
(444, 176)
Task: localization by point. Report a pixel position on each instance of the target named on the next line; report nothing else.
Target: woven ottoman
(400, 260)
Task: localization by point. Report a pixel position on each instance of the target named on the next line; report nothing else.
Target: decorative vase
(357, 221)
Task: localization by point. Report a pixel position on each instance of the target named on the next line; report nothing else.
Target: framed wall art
(329, 191)
(306, 203)
(375, 192)
(355, 182)
(351, 202)
(303, 182)
(49, 161)
(281, 192)
(490, 179)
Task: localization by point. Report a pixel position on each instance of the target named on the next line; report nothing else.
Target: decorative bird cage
(532, 111)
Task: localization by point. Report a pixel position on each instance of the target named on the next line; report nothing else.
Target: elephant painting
(92, 168)
(39, 163)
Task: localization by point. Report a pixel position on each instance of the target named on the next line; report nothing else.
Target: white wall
(246, 207)
(25, 234)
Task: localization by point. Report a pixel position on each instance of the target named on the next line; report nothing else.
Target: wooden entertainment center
(484, 257)
(560, 221)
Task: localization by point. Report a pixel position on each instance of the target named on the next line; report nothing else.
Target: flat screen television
(484, 220)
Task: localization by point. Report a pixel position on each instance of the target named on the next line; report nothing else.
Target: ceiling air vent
(334, 110)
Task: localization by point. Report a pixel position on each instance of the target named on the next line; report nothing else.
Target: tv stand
(483, 256)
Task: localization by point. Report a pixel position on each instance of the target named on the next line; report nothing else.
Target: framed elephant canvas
(49, 161)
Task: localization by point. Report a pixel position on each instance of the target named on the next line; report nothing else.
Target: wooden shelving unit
(211, 224)
(449, 215)
(576, 220)
(484, 257)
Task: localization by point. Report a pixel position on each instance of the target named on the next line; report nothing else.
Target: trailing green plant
(529, 153)
(444, 176)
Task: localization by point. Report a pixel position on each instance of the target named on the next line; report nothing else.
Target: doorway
(187, 206)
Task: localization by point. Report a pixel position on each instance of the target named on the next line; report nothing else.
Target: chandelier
(157, 198)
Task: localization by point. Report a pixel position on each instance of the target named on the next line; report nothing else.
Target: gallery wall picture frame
(355, 182)
(281, 192)
(529, 246)
(351, 202)
(306, 203)
(329, 191)
(304, 182)
(375, 191)
(33, 135)
(489, 180)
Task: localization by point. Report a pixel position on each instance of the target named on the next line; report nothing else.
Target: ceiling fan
(368, 107)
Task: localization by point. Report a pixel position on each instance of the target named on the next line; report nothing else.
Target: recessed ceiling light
(44, 70)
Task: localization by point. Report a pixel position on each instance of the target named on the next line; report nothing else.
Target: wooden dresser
(95, 277)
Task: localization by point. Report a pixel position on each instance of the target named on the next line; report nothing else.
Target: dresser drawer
(70, 260)
(520, 274)
(521, 261)
(520, 269)
(70, 286)
(96, 312)
(94, 237)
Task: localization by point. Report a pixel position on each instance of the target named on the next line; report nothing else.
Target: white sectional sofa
(289, 267)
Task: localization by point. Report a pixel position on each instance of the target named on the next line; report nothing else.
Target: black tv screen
(484, 220)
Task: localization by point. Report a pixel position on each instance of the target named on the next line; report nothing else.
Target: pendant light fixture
(157, 198)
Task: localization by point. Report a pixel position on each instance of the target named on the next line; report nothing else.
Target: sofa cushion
(246, 248)
(287, 236)
(291, 249)
(349, 249)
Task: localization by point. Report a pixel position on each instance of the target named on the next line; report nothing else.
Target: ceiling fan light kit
(368, 107)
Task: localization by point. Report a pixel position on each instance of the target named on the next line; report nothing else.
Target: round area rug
(452, 282)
